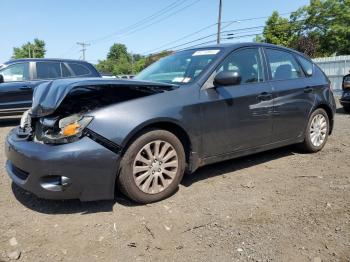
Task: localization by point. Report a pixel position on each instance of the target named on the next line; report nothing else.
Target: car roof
(43, 60)
(232, 46)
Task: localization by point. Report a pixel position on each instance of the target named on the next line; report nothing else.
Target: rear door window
(48, 70)
(283, 65)
(79, 70)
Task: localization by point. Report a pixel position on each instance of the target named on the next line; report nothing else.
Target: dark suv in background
(345, 98)
(19, 77)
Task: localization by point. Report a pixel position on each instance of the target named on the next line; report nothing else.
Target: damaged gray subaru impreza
(87, 138)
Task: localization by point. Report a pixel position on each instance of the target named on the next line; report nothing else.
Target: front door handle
(264, 96)
(25, 88)
(308, 90)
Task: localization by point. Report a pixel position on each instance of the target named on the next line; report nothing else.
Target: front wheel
(347, 109)
(152, 167)
(317, 131)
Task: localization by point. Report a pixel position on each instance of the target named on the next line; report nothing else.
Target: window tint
(247, 62)
(65, 71)
(48, 70)
(307, 65)
(283, 65)
(16, 72)
(79, 70)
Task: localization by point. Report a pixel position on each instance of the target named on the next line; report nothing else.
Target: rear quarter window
(307, 65)
(79, 69)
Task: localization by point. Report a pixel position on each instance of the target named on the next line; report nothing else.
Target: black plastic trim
(102, 141)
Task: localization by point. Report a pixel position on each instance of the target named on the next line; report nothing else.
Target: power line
(182, 38)
(230, 31)
(228, 23)
(159, 20)
(142, 21)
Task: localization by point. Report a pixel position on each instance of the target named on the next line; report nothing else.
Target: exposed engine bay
(69, 119)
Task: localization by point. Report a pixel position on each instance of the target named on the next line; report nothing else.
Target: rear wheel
(152, 167)
(347, 109)
(317, 131)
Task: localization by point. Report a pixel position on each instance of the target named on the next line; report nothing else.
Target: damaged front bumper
(85, 169)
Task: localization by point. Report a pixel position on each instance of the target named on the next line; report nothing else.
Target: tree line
(319, 29)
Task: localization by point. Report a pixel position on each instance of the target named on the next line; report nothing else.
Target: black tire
(347, 109)
(307, 145)
(126, 182)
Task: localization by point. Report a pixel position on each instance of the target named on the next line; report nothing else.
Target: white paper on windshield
(178, 79)
(206, 52)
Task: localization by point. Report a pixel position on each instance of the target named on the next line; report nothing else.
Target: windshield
(179, 68)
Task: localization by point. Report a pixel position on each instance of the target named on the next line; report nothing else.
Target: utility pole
(29, 55)
(83, 48)
(219, 22)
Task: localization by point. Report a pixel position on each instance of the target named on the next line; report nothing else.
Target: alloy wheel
(318, 130)
(155, 167)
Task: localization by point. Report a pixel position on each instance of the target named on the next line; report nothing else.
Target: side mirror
(2, 79)
(227, 78)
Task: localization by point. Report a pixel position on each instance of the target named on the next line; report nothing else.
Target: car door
(293, 95)
(16, 91)
(237, 117)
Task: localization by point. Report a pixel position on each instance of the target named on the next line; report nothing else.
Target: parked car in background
(125, 76)
(345, 98)
(107, 75)
(19, 77)
(84, 139)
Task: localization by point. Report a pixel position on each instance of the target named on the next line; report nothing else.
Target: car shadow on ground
(241, 163)
(340, 110)
(56, 207)
(8, 122)
(75, 206)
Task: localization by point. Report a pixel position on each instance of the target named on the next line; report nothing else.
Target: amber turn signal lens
(71, 129)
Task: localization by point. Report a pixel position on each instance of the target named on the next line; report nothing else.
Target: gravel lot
(280, 205)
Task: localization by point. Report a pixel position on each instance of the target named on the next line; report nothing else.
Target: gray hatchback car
(87, 138)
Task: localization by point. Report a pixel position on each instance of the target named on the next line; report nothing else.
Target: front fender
(120, 122)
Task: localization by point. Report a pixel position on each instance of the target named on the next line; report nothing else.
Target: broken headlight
(69, 129)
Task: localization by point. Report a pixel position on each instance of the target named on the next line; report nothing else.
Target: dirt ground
(280, 205)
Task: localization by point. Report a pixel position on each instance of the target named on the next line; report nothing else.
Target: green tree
(327, 21)
(118, 51)
(120, 61)
(36, 49)
(278, 30)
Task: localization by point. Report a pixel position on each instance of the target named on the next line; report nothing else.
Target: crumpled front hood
(49, 95)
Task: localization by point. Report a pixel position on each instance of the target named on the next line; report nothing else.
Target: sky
(144, 26)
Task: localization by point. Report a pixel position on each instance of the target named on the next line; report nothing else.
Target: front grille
(21, 174)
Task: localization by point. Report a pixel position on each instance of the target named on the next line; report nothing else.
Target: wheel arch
(330, 114)
(165, 124)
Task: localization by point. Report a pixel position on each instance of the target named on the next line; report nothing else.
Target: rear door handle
(25, 88)
(308, 90)
(265, 96)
